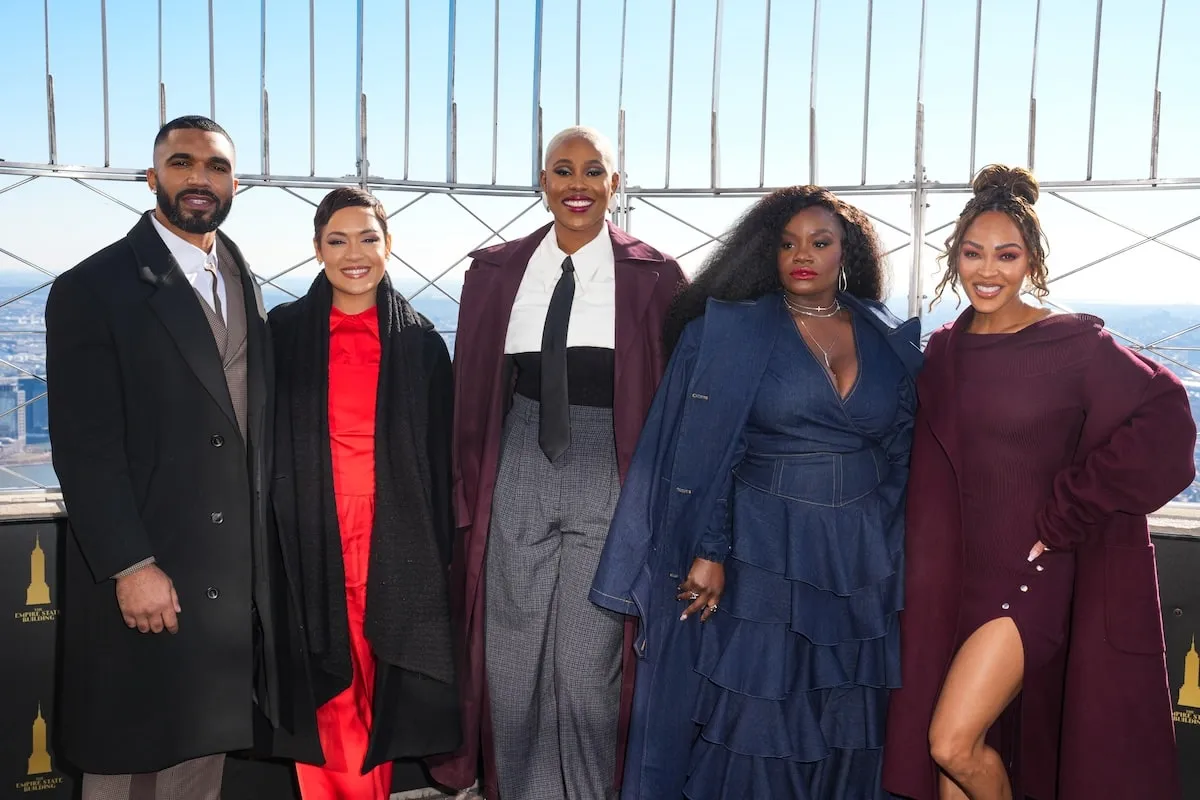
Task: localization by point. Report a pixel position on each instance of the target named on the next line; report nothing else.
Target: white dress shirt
(193, 261)
(594, 309)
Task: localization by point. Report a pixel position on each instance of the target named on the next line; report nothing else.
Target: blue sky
(273, 226)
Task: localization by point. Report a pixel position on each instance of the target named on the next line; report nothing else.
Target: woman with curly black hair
(759, 533)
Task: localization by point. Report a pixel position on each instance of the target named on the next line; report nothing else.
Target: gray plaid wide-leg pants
(197, 779)
(553, 658)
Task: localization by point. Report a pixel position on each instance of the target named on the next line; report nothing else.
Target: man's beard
(190, 222)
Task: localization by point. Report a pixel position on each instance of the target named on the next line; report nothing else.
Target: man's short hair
(192, 122)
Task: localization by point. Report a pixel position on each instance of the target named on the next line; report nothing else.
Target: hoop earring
(842, 281)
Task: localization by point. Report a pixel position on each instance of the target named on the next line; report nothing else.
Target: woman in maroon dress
(1032, 648)
(362, 497)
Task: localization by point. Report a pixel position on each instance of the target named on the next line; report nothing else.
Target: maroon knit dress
(1021, 413)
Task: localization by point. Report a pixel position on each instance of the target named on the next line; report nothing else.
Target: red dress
(344, 723)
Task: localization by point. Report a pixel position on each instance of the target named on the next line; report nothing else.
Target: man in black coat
(159, 372)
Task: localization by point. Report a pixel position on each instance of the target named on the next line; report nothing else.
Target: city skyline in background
(1147, 291)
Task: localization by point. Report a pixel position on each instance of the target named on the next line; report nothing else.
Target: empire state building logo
(38, 593)
(1189, 693)
(39, 758)
(40, 776)
(38, 605)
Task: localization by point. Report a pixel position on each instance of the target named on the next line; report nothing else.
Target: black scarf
(407, 616)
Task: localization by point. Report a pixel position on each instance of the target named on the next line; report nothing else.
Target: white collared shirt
(193, 261)
(594, 309)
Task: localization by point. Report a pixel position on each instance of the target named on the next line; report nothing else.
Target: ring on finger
(713, 609)
(693, 596)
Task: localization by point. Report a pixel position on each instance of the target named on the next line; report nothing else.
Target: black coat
(412, 715)
(151, 463)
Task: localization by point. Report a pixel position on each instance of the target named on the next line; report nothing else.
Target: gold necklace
(812, 311)
(824, 352)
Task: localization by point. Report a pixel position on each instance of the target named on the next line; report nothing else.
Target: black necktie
(554, 427)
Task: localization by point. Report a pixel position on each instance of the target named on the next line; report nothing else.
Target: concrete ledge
(1177, 519)
(37, 504)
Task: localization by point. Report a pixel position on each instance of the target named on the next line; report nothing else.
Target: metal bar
(1176, 335)
(264, 124)
(1109, 220)
(714, 132)
(12, 366)
(271, 280)
(882, 221)
(476, 217)
(1095, 86)
(1037, 37)
(28, 292)
(28, 402)
(407, 81)
(812, 97)
(495, 90)
(108, 196)
(29, 264)
(691, 250)
(27, 479)
(535, 123)
(975, 85)
(360, 101)
(450, 268)
(1123, 250)
(916, 279)
(296, 195)
(622, 215)
(283, 289)
(719, 237)
(578, 55)
(212, 63)
(942, 227)
(1154, 129)
(621, 73)
(867, 87)
(162, 88)
(104, 77)
(762, 131)
(450, 111)
(411, 268)
(19, 183)
(312, 87)
(409, 203)
(248, 181)
(670, 92)
(622, 189)
(266, 154)
(51, 127)
(365, 161)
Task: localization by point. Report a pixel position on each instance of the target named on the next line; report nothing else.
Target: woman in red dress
(1031, 641)
(363, 505)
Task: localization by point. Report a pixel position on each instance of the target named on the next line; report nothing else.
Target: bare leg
(984, 678)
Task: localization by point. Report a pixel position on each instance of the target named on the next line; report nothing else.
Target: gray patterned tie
(211, 269)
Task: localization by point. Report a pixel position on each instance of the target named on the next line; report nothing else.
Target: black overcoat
(151, 463)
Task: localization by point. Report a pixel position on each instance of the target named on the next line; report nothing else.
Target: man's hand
(148, 601)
